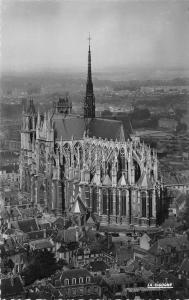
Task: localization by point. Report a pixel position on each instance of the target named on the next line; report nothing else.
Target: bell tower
(89, 100)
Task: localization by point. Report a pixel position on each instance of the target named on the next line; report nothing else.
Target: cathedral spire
(89, 75)
(89, 101)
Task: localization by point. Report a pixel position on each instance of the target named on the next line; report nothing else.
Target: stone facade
(116, 179)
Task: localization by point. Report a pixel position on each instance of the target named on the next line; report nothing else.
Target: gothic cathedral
(86, 165)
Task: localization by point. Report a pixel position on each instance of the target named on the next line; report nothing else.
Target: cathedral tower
(89, 100)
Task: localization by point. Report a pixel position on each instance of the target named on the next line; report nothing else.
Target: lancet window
(104, 201)
(94, 199)
(150, 203)
(110, 202)
(117, 202)
(123, 203)
(143, 204)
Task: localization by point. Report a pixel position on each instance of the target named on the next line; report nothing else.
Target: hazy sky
(53, 34)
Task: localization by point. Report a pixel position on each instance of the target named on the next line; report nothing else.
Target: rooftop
(28, 225)
(75, 126)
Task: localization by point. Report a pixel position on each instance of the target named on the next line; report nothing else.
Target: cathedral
(85, 165)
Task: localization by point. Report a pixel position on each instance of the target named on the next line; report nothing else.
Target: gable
(78, 206)
(122, 181)
(107, 180)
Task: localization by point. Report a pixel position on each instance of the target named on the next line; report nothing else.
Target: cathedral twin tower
(83, 165)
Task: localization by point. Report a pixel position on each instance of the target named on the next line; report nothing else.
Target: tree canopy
(43, 265)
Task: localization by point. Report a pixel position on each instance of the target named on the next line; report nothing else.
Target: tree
(43, 265)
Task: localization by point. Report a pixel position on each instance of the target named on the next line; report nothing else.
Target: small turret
(30, 109)
(63, 106)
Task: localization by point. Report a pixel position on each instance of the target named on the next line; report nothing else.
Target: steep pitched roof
(106, 129)
(75, 126)
(69, 127)
(78, 206)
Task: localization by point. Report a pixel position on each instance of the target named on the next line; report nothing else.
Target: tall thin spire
(89, 101)
(89, 75)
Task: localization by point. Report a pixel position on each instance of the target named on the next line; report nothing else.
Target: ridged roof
(75, 127)
(106, 129)
(69, 127)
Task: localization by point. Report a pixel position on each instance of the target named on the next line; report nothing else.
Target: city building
(83, 164)
(76, 283)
